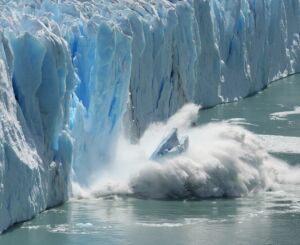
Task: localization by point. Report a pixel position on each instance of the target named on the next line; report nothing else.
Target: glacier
(74, 74)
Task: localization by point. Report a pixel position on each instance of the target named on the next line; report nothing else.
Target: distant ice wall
(75, 72)
(209, 52)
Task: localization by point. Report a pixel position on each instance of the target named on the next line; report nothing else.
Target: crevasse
(74, 73)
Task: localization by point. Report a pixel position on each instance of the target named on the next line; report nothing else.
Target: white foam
(84, 225)
(281, 144)
(222, 160)
(240, 122)
(78, 229)
(284, 114)
(31, 227)
(184, 222)
(169, 225)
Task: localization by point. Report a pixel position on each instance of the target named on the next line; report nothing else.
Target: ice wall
(35, 143)
(173, 52)
(209, 52)
(75, 72)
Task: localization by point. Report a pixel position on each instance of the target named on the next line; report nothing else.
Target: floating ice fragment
(170, 146)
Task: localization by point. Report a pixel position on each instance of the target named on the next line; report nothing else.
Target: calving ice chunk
(170, 146)
(75, 74)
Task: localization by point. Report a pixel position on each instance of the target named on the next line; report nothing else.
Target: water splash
(223, 160)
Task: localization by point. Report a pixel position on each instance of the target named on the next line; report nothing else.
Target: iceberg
(170, 146)
(75, 74)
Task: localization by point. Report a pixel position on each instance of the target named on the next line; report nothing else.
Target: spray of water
(222, 160)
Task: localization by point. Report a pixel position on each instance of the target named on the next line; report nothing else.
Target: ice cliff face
(35, 148)
(73, 72)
